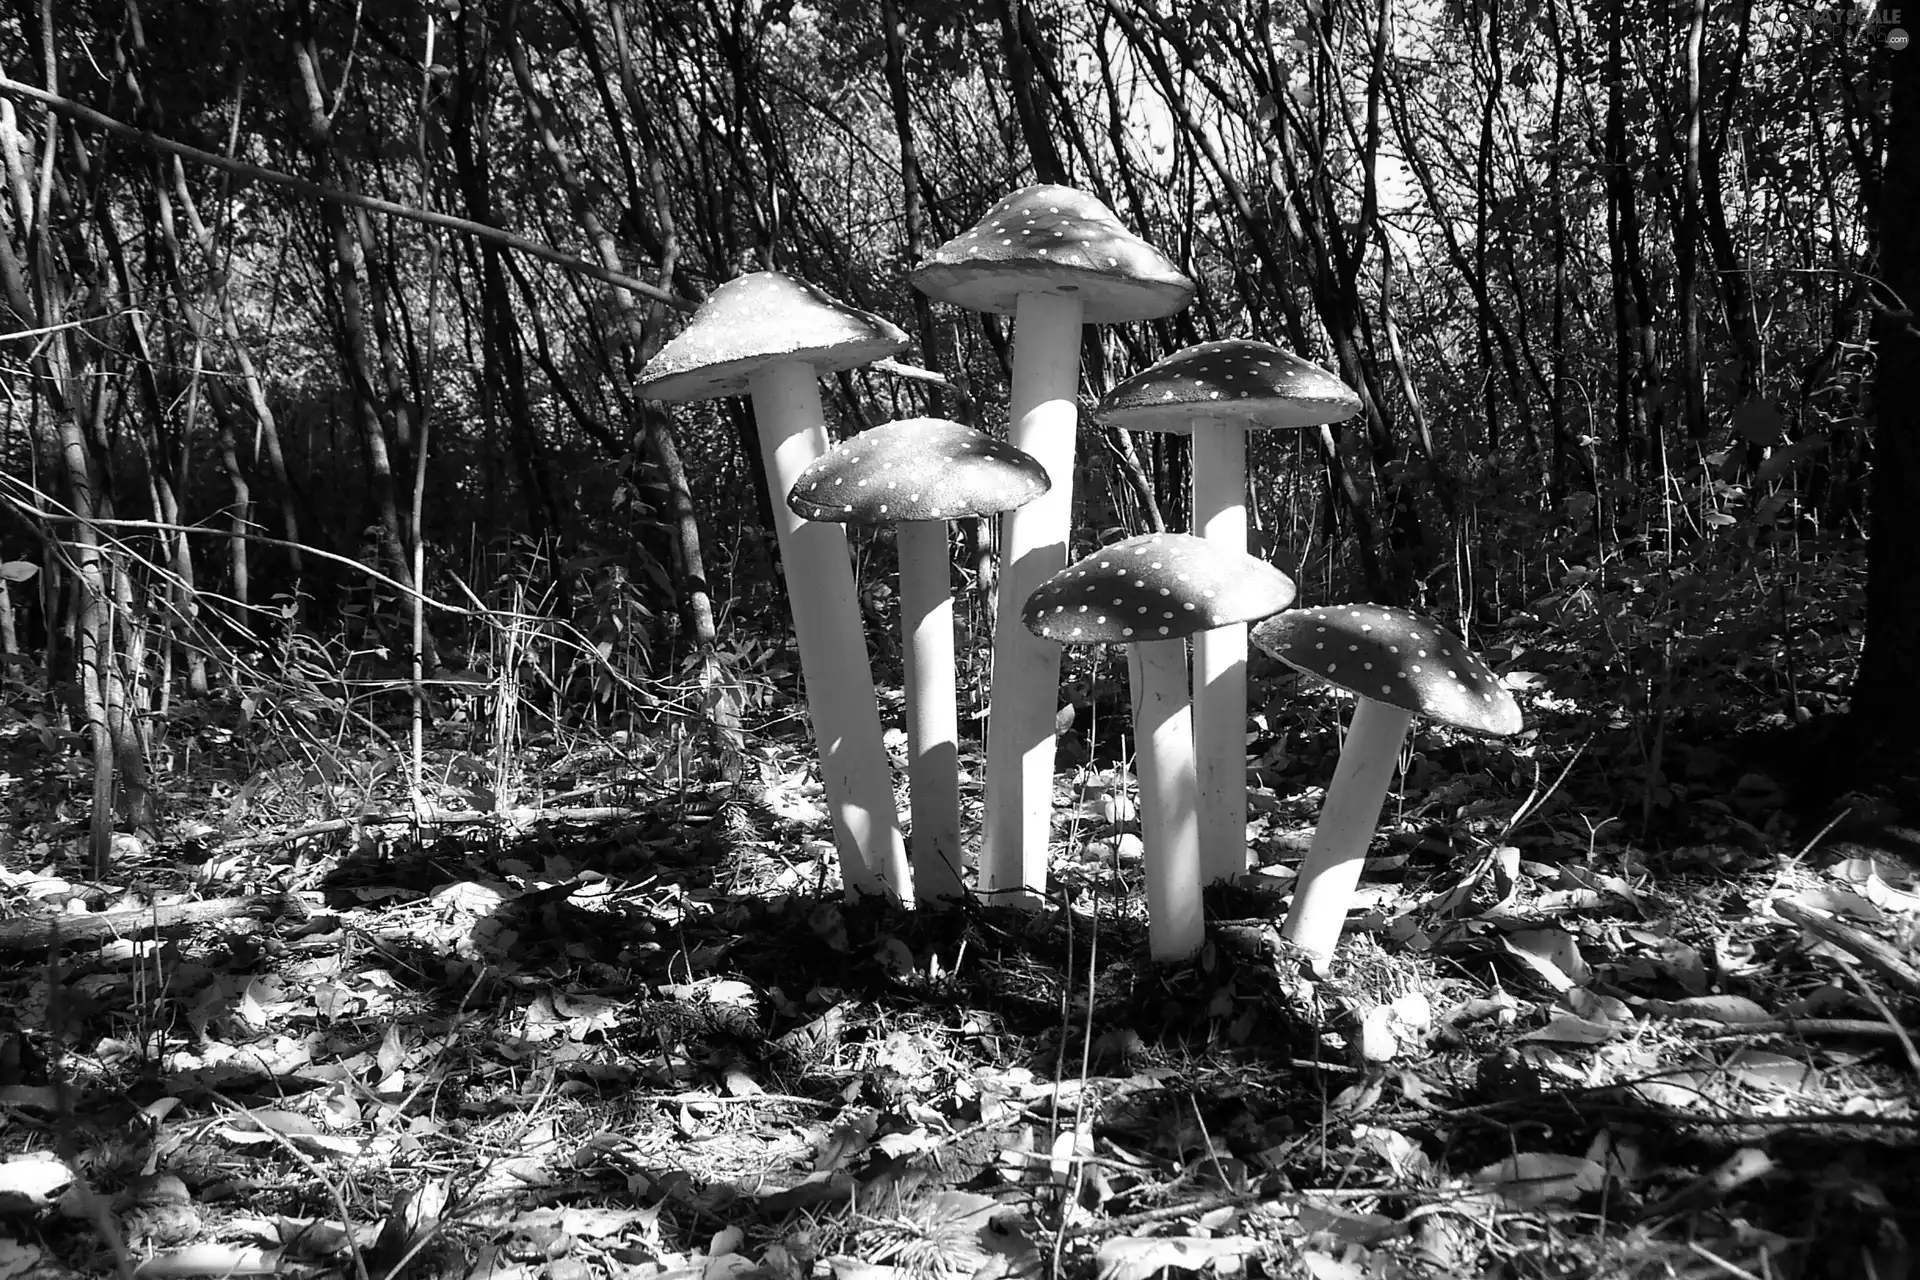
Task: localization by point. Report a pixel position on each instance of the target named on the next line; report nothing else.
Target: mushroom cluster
(1057, 259)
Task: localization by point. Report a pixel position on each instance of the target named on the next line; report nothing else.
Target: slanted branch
(39, 933)
(516, 818)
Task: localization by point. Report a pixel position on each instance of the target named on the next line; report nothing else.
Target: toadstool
(770, 336)
(1056, 259)
(1150, 593)
(917, 474)
(1218, 392)
(1399, 665)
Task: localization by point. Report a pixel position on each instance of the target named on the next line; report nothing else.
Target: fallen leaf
(1319, 1216)
(31, 1183)
(1619, 1156)
(1323, 1266)
(1533, 1178)
(1887, 898)
(1552, 955)
(1772, 1072)
(1674, 1090)
(1136, 1258)
(1376, 1039)
(20, 1260)
(1565, 1028)
(210, 1260)
(1727, 1009)
(1738, 1169)
(844, 1267)
(1069, 1147)
(258, 1126)
(1840, 902)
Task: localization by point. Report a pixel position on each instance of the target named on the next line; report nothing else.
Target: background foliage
(1609, 278)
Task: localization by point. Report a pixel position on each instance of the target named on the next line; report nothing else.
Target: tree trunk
(1686, 239)
(912, 212)
(1638, 436)
(1026, 101)
(1886, 698)
(351, 279)
(239, 516)
(657, 426)
(504, 372)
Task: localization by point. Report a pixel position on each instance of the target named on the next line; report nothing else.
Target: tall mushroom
(771, 336)
(917, 474)
(1150, 593)
(1056, 259)
(1218, 392)
(1399, 665)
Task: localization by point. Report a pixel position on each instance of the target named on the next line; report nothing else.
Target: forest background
(309, 306)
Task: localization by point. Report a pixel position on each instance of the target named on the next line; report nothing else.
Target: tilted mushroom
(1399, 665)
(1218, 392)
(770, 336)
(918, 474)
(1150, 593)
(1057, 259)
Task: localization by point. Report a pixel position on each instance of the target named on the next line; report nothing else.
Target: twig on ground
(1821, 834)
(334, 1193)
(1741, 1272)
(1873, 997)
(1805, 1027)
(1166, 1213)
(518, 817)
(36, 933)
(702, 1099)
(1870, 950)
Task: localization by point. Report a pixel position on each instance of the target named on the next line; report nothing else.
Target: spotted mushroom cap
(1158, 586)
(757, 320)
(1250, 384)
(1049, 239)
(1393, 656)
(917, 469)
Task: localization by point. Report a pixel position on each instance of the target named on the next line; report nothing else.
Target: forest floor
(599, 1009)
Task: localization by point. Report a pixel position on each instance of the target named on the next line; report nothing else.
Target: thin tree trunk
(660, 437)
(1026, 102)
(1686, 239)
(37, 289)
(1557, 197)
(1732, 271)
(503, 372)
(1886, 700)
(350, 278)
(1636, 362)
(127, 697)
(1346, 491)
(912, 212)
(9, 630)
(658, 429)
(239, 514)
(1482, 212)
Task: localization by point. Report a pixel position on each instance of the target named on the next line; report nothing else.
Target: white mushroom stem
(833, 647)
(1033, 547)
(1169, 825)
(1219, 458)
(933, 757)
(1348, 817)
